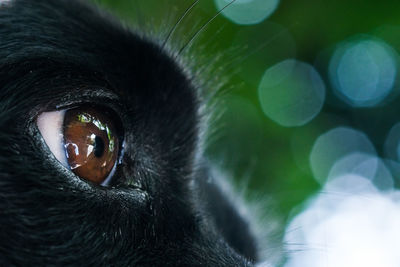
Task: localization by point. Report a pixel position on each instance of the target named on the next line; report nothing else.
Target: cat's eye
(84, 139)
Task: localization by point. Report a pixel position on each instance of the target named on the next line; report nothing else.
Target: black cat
(129, 186)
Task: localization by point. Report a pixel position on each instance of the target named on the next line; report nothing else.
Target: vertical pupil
(98, 147)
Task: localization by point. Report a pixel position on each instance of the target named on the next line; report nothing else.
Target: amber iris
(90, 142)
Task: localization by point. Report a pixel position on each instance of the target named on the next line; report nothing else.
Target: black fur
(163, 208)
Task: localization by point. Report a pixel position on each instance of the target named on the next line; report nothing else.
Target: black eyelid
(74, 98)
(96, 96)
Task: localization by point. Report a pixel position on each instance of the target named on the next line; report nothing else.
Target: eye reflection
(90, 142)
(83, 139)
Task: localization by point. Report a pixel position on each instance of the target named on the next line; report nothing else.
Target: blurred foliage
(272, 159)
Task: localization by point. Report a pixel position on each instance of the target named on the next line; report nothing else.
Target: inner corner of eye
(50, 125)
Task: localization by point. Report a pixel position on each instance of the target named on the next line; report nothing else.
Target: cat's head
(65, 66)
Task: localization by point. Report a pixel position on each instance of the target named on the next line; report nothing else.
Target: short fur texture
(163, 208)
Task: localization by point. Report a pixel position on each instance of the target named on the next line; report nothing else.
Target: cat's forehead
(52, 50)
(72, 39)
(72, 31)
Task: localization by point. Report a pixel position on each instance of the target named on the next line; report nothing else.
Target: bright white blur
(350, 223)
(5, 2)
(354, 219)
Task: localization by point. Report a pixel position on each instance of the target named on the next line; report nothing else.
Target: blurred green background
(265, 157)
